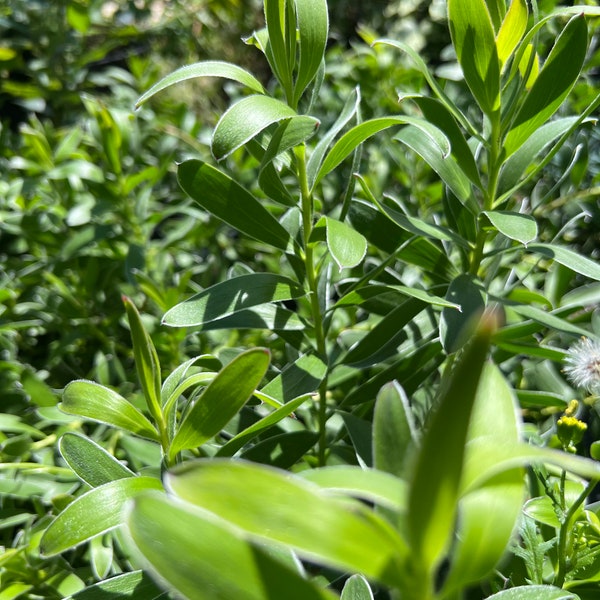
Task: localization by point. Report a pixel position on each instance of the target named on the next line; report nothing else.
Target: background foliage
(94, 223)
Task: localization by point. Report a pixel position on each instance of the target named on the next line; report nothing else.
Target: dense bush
(368, 304)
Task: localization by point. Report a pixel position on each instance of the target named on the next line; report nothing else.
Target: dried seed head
(582, 365)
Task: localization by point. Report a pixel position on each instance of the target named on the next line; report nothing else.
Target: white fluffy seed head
(582, 365)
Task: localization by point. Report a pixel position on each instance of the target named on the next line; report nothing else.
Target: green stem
(563, 532)
(311, 279)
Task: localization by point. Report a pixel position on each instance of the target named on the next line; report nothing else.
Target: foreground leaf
(203, 559)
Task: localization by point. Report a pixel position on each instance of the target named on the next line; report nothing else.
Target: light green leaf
(204, 69)
(445, 166)
(90, 462)
(367, 484)
(516, 226)
(229, 201)
(534, 592)
(488, 515)
(356, 588)
(313, 27)
(231, 296)
(146, 360)
(93, 513)
(245, 119)
(248, 434)
(221, 400)
(574, 261)
(346, 246)
(474, 40)
(553, 84)
(280, 43)
(394, 430)
(213, 561)
(93, 401)
(136, 585)
(435, 486)
(512, 30)
(270, 504)
(363, 131)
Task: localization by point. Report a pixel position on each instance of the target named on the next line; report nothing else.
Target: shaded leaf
(136, 585)
(516, 226)
(346, 246)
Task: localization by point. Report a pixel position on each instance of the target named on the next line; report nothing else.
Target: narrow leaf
(93, 513)
(302, 376)
(229, 201)
(574, 261)
(221, 400)
(204, 69)
(534, 592)
(512, 30)
(557, 77)
(356, 588)
(136, 585)
(98, 403)
(230, 296)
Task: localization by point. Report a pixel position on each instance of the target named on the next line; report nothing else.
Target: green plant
(368, 290)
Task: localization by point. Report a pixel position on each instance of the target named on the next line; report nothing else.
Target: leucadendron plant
(415, 495)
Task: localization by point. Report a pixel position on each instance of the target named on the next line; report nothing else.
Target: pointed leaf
(221, 400)
(300, 377)
(272, 504)
(313, 27)
(93, 513)
(213, 68)
(136, 585)
(358, 134)
(574, 261)
(534, 592)
(230, 296)
(227, 200)
(512, 30)
(516, 226)
(474, 40)
(553, 84)
(435, 485)
(206, 552)
(277, 50)
(90, 462)
(98, 403)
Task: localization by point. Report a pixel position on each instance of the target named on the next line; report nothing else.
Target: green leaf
(248, 434)
(540, 139)
(221, 400)
(302, 376)
(90, 462)
(93, 513)
(231, 296)
(488, 515)
(553, 84)
(214, 561)
(227, 200)
(313, 28)
(516, 226)
(574, 261)
(435, 486)
(213, 68)
(346, 246)
(356, 588)
(361, 132)
(245, 119)
(474, 40)
(350, 109)
(93, 401)
(512, 30)
(454, 325)
(445, 166)
(534, 592)
(367, 484)
(273, 505)
(283, 450)
(136, 585)
(394, 430)
(146, 360)
(277, 50)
